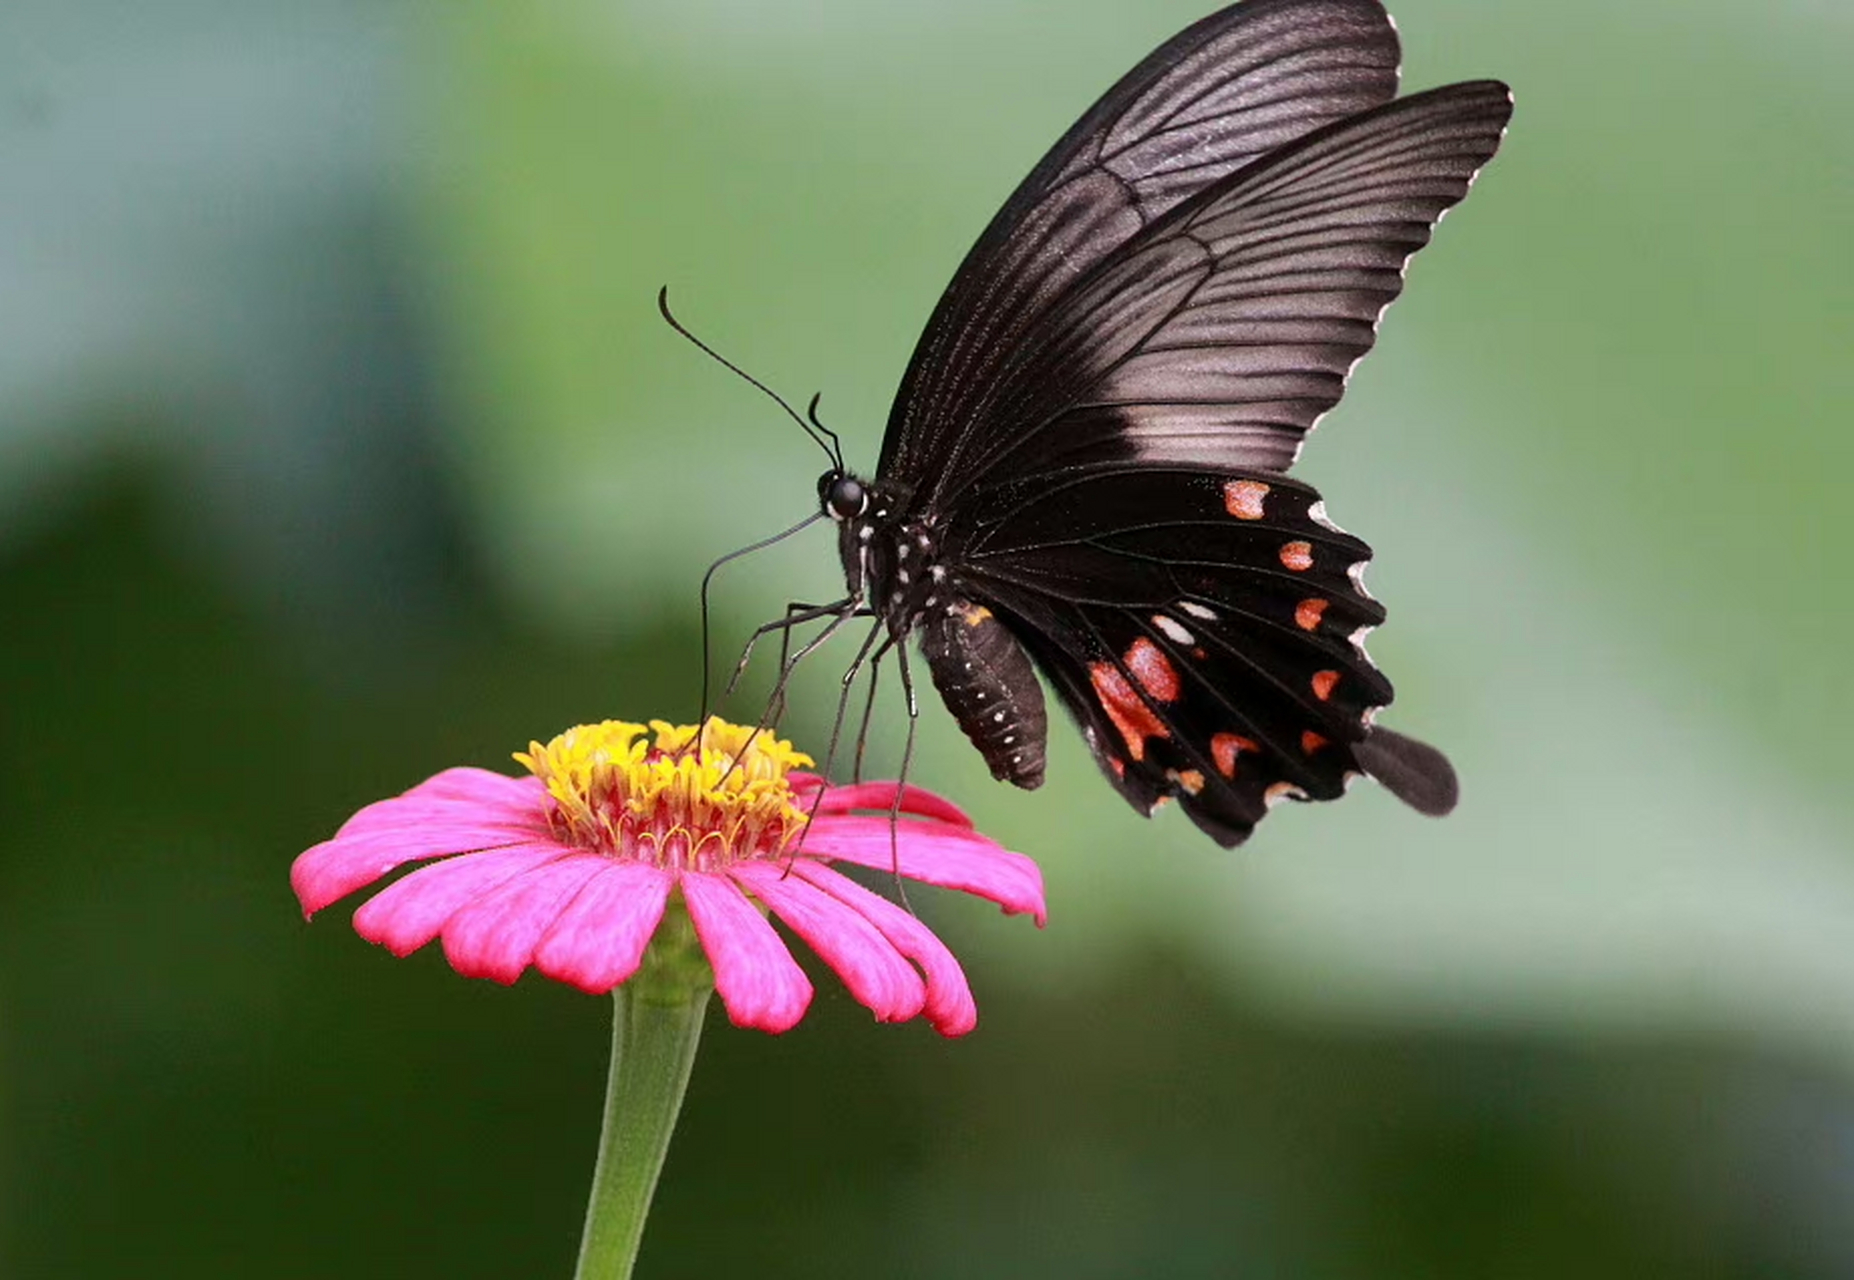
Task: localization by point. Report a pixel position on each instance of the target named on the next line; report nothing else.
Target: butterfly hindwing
(1205, 628)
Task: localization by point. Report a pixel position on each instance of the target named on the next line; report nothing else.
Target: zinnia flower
(571, 870)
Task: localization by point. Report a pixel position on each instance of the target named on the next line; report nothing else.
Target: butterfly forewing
(1213, 99)
(1222, 332)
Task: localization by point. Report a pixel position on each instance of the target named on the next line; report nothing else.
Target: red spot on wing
(1224, 747)
(1323, 683)
(1126, 709)
(1118, 765)
(1243, 498)
(1297, 556)
(1307, 614)
(1153, 670)
(1311, 742)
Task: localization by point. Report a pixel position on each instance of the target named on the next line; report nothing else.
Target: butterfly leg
(845, 610)
(836, 730)
(708, 581)
(840, 615)
(797, 614)
(862, 730)
(877, 632)
(907, 761)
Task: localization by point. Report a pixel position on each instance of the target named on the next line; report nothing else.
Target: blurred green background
(340, 442)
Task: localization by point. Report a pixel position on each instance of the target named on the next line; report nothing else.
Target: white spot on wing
(1358, 645)
(1173, 629)
(1279, 791)
(1317, 514)
(1197, 610)
(1356, 572)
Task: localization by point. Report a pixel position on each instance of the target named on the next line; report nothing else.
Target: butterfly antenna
(724, 362)
(836, 445)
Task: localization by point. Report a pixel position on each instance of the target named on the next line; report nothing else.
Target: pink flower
(572, 869)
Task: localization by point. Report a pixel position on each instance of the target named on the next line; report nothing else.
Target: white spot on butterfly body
(1173, 629)
(998, 716)
(865, 533)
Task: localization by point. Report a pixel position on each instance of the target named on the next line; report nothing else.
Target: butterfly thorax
(890, 556)
(893, 565)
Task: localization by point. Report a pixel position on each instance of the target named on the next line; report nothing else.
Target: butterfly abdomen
(987, 682)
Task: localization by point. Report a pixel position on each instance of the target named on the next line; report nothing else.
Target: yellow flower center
(674, 801)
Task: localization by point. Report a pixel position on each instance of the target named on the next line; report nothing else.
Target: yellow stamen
(674, 801)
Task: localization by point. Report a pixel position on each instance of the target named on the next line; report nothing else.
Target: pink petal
(758, 981)
(863, 957)
(494, 936)
(950, 1007)
(934, 853)
(466, 783)
(456, 794)
(335, 868)
(878, 796)
(409, 913)
(599, 939)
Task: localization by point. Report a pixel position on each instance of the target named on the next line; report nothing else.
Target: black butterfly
(1085, 466)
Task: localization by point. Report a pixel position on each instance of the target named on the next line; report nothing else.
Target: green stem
(656, 1025)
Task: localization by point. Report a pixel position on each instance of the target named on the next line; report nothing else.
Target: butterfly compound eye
(845, 498)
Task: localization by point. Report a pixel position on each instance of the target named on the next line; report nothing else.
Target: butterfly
(1085, 471)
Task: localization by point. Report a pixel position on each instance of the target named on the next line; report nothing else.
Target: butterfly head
(842, 496)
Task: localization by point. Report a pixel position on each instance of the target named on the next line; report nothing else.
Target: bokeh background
(340, 442)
